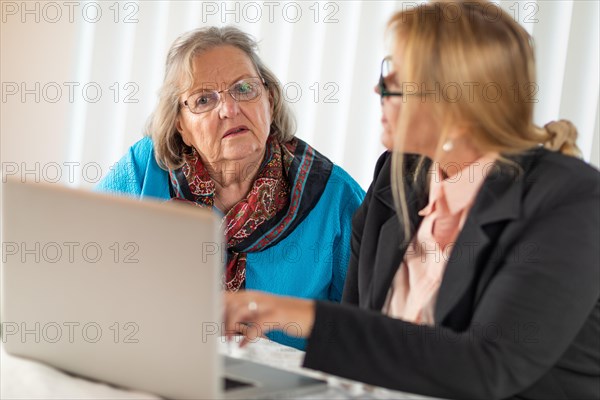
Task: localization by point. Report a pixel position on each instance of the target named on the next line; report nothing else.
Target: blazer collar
(415, 198)
(498, 200)
(391, 244)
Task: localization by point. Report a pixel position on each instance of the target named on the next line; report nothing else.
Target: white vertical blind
(551, 56)
(579, 100)
(325, 53)
(78, 114)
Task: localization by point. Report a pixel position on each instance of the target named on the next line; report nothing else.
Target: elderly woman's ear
(180, 130)
(271, 98)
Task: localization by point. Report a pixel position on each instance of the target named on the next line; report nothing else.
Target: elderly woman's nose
(229, 107)
(376, 89)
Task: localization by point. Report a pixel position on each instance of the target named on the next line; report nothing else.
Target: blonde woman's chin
(387, 138)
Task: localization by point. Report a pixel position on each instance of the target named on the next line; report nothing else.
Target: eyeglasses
(387, 69)
(245, 90)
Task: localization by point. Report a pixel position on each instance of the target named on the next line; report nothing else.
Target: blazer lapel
(387, 260)
(499, 199)
(391, 245)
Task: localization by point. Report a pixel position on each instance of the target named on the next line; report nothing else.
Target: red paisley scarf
(277, 202)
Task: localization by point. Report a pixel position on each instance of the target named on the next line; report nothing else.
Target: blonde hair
(476, 50)
(179, 77)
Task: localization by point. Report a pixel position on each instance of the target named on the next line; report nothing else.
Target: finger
(250, 333)
(231, 310)
(244, 342)
(236, 318)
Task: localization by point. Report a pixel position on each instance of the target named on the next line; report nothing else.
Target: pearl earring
(448, 146)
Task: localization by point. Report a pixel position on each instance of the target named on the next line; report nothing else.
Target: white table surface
(25, 379)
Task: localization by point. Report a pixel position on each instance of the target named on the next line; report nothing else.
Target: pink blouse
(414, 289)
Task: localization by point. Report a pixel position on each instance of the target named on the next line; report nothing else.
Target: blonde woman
(475, 270)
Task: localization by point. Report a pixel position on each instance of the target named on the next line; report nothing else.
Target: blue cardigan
(310, 263)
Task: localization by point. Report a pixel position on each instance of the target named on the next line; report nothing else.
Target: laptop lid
(112, 288)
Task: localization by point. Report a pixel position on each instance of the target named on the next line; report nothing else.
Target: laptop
(125, 292)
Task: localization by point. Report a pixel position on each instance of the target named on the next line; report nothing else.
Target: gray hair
(161, 127)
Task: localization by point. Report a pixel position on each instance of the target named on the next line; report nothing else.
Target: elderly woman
(222, 137)
(482, 279)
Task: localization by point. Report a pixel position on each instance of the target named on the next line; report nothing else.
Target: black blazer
(518, 311)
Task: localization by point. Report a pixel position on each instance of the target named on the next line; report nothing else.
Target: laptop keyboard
(230, 384)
